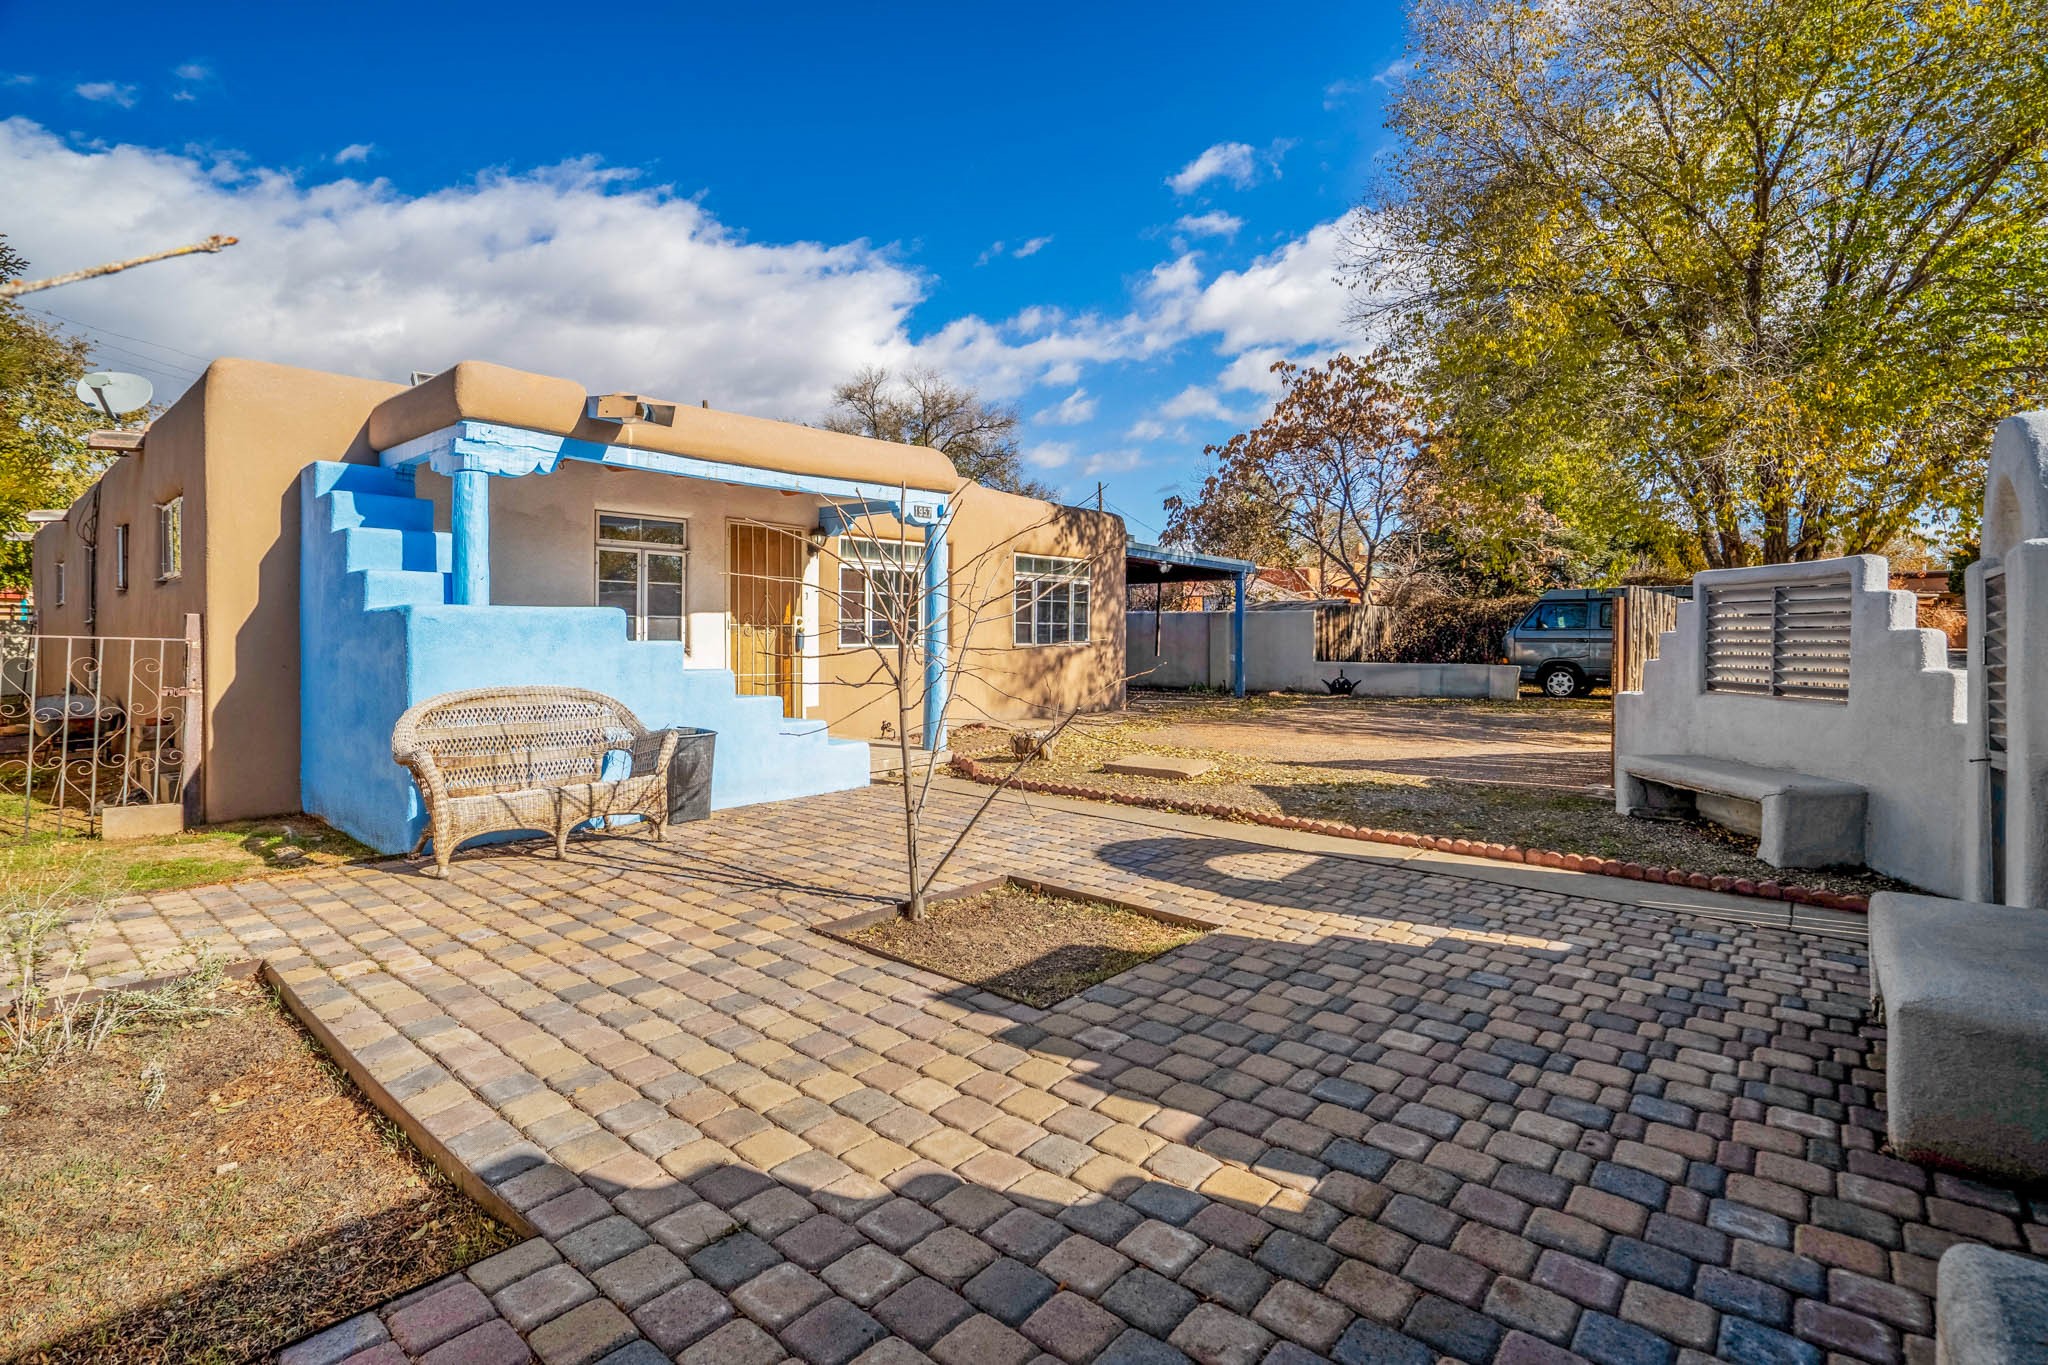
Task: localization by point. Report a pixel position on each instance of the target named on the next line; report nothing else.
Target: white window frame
(872, 559)
(1038, 581)
(121, 539)
(170, 539)
(636, 620)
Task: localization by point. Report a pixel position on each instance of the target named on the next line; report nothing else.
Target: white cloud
(355, 151)
(1195, 401)
(1112, 462)
(17, 79)
(1048, 454)
(192, 71)
(1232, 161)
(1288, 297)
(524, 269)
(1029, 247)
(1338, 92)
(1252, 372)
(1394, 72)
(1076, 408)
(106, 92)
(1215, 223)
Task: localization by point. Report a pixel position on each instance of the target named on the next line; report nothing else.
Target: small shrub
(1452, 630)
(50, 1012)
(1947, 616)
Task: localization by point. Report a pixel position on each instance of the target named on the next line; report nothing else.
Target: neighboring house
(353, 547)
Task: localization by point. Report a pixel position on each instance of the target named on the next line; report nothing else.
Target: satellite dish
(114, 393)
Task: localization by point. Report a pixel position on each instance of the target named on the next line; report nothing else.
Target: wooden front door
(764, 585)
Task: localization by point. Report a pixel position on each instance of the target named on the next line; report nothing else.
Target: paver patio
(1381, 1114)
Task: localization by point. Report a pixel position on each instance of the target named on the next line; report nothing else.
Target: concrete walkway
(1391, 1110)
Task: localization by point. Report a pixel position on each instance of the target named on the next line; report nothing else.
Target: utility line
(119, 334)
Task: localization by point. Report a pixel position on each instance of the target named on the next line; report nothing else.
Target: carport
(1157, 564)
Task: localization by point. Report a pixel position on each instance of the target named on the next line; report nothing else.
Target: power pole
(14, 288)
(1098, 495)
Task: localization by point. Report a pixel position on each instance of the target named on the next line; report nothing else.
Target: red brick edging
(1505, 853)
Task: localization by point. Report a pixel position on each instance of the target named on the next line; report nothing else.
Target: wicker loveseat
(492, 759)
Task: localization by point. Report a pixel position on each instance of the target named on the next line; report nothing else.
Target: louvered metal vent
(1994, 665)
(1780, 639)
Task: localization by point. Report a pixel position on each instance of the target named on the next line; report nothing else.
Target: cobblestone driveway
(1381, 1114)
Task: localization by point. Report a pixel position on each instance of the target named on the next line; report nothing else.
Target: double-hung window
(1051, 605)
(170, 539)
(640, 562)
(880, 587)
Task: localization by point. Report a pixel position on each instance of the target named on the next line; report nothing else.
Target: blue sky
(1113, 217)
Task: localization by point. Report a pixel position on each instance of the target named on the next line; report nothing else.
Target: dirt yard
(1533, 772)
(209, 1190)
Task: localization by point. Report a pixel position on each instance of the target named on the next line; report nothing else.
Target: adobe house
(352, 547)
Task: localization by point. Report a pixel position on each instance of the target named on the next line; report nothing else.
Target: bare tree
(922, 408)
(884, 624)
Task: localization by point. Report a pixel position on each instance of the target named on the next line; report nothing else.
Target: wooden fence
(1348, 632)
(1641, 615)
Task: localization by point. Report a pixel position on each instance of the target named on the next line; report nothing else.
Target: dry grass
(1023, 945)
(209, 1189)
(1405, 793)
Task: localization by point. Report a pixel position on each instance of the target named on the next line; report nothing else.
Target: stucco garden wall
(1279, 656)
(1901, 734)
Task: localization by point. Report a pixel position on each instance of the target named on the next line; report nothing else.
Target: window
(880, 583)
(121, 557)
(61, 585)
(1557, 616)
(1051, 600)
(170, 539)
(640, 564)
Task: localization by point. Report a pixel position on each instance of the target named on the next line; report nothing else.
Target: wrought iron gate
(89, 722)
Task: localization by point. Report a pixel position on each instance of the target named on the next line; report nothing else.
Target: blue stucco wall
(377, 634)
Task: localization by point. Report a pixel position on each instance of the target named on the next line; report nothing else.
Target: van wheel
(1560, 680)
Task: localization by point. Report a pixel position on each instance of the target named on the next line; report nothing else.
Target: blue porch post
(935, 632)
(469, 524)
(1237, 634)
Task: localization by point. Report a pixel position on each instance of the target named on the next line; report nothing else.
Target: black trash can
(689, 775)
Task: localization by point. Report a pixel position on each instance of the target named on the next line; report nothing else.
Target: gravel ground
(1532, 772)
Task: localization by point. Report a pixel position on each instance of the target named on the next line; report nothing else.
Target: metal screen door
(764, 586)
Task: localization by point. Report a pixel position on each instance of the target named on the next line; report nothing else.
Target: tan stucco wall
(233, 445)
(998, 680)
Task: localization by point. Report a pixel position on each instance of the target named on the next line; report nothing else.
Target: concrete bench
(1964, 990)
(1799, 821)
(1991, 1308)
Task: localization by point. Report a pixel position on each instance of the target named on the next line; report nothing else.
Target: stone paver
(1382, 1113)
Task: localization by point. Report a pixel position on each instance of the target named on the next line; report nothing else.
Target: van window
(1607, 613)
(1557, 616)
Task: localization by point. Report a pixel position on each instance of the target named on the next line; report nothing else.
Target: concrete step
(378, 547)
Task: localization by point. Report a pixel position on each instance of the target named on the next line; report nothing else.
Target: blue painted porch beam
(935, 613)
(1244, 582)
(469, 524)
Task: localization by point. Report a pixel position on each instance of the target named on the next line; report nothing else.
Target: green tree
(1732, 281)
(43, 459)
(923, 408)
